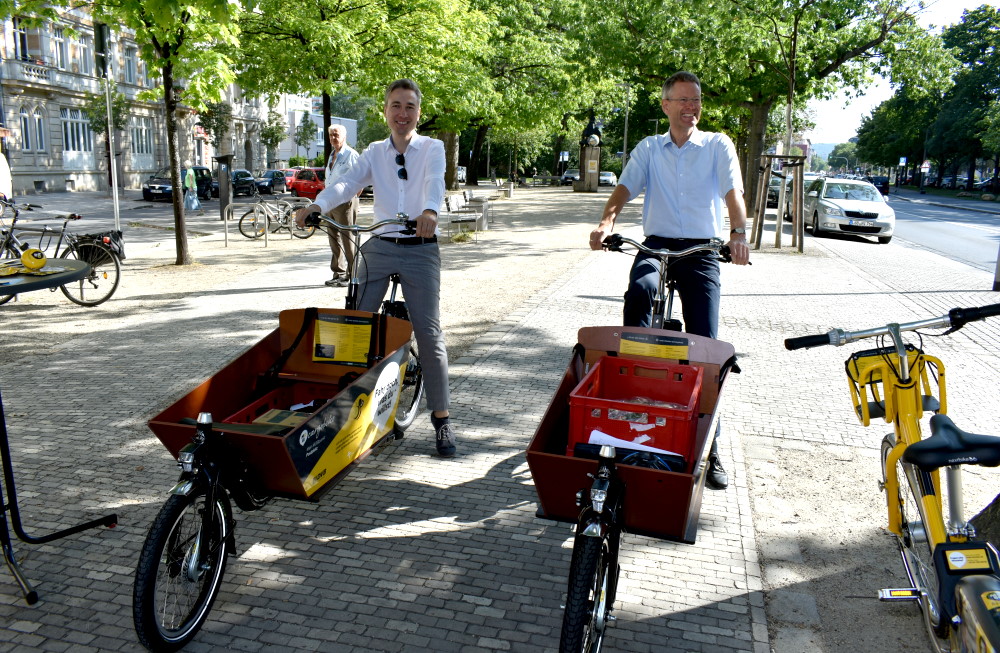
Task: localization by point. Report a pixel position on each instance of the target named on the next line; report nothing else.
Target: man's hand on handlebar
(302, 214)
(598, 235)
(426, 225)
(739, 250)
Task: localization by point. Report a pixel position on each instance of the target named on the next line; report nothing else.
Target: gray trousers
(419, 269)
(342, 242)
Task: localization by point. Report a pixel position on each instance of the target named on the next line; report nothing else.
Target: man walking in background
(342, 158)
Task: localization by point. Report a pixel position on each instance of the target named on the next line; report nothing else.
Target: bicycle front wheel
(252, 224)
(585, 619)
(915, 547)
(412, 391)
(13, 254)
(179, 573)
(102, 280)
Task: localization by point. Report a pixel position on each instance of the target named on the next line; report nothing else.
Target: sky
(838, 119)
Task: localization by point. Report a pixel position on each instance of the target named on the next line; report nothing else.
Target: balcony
(39, 73)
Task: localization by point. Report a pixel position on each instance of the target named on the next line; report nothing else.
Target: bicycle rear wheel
(914, 547)
(585, 618)
(252, 224)
(102, 280)
(172, 595)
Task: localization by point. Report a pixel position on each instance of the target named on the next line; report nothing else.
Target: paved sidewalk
(414, 553)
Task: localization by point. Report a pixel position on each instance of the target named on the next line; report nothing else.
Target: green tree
(272, 133)
(215, 118)
(843, 157)
(96, 110)
(305, 133)
(185, 41)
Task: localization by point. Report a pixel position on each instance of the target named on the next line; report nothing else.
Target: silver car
(848, 206)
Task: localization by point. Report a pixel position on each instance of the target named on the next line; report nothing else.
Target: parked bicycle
(299, 410)
(634, 490)
(97, 250)
(276, 214)
(954, 577)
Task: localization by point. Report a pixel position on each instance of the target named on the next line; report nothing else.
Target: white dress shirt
(339, 163)
(685, 186)
(422, 190)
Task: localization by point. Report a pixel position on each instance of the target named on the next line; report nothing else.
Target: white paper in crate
(599, 438)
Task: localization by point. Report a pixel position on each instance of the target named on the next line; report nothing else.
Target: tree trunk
(451, 159)
(472, 175)
(180, 228)
(755, 142)
(558, 147)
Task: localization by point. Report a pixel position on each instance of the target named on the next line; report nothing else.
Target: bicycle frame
(954, 597)
(663, 303)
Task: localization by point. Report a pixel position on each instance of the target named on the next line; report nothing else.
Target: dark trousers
(698, 286)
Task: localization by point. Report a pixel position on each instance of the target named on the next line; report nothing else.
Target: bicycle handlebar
(955, 319)
(401, 219)
(614, 242)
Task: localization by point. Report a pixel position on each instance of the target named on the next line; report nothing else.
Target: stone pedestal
(590, 169)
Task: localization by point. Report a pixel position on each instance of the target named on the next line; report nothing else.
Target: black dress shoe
(715, 477)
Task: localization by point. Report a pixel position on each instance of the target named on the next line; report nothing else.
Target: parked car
(986, 184)
(773, 191)
(289, 173)
(307, 182)
(879, 182)
(807, 179)
(271, 181)
(460, 173)
(571, 175)
(848, 206)
(242, 182)
(159, 186)
(607, 179)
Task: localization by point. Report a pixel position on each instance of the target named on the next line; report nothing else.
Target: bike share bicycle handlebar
(401, 220)
(956, 319)
(614, 242)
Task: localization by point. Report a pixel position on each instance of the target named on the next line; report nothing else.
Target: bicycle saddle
(950, 445)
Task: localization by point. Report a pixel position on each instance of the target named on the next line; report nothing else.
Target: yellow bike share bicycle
(954, 577)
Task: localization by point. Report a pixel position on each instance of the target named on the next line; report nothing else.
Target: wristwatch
(738, 230)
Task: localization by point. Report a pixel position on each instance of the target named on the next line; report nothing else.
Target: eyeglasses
(401, 161)
(685, 100)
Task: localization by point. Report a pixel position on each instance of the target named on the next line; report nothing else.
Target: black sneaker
(445, 440)
(336, 282)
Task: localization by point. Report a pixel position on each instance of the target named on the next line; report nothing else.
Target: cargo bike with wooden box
(624, 446)
(288, 418)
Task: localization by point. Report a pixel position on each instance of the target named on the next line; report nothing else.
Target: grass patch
(462, 237)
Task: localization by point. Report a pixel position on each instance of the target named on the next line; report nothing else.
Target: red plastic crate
(605, 400)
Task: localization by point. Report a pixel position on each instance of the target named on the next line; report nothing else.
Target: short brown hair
(407, 84)
(681, 76)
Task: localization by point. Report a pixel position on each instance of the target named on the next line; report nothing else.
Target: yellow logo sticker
(968, 559)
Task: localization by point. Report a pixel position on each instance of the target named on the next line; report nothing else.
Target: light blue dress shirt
(685, 186)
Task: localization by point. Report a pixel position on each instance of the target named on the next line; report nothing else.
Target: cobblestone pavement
(414, 553)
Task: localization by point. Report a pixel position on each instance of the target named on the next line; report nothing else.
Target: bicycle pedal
(899, 594)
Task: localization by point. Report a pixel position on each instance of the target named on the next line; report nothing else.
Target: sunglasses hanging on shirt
(401, 161)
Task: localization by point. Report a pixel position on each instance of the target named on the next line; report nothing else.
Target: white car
(848, 206)
(607, 179)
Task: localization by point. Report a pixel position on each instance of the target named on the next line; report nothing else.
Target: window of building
(77, 136)
(20, 40)
(130, 66)
(39, 130)
(142, 135)
(25, 131)
(85, 54)
(59, 41)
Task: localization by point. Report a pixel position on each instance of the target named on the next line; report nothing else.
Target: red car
(307, 182)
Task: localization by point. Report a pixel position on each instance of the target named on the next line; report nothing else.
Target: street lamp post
(628, 101)
(846, 161)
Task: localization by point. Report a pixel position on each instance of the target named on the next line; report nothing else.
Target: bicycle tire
(914, 548)
(102, 280)
(13, 254)
(251, 225)
(168, 605)
(585, 617)
(411, 393)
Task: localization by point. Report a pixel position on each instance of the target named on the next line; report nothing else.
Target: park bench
(460, 214)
